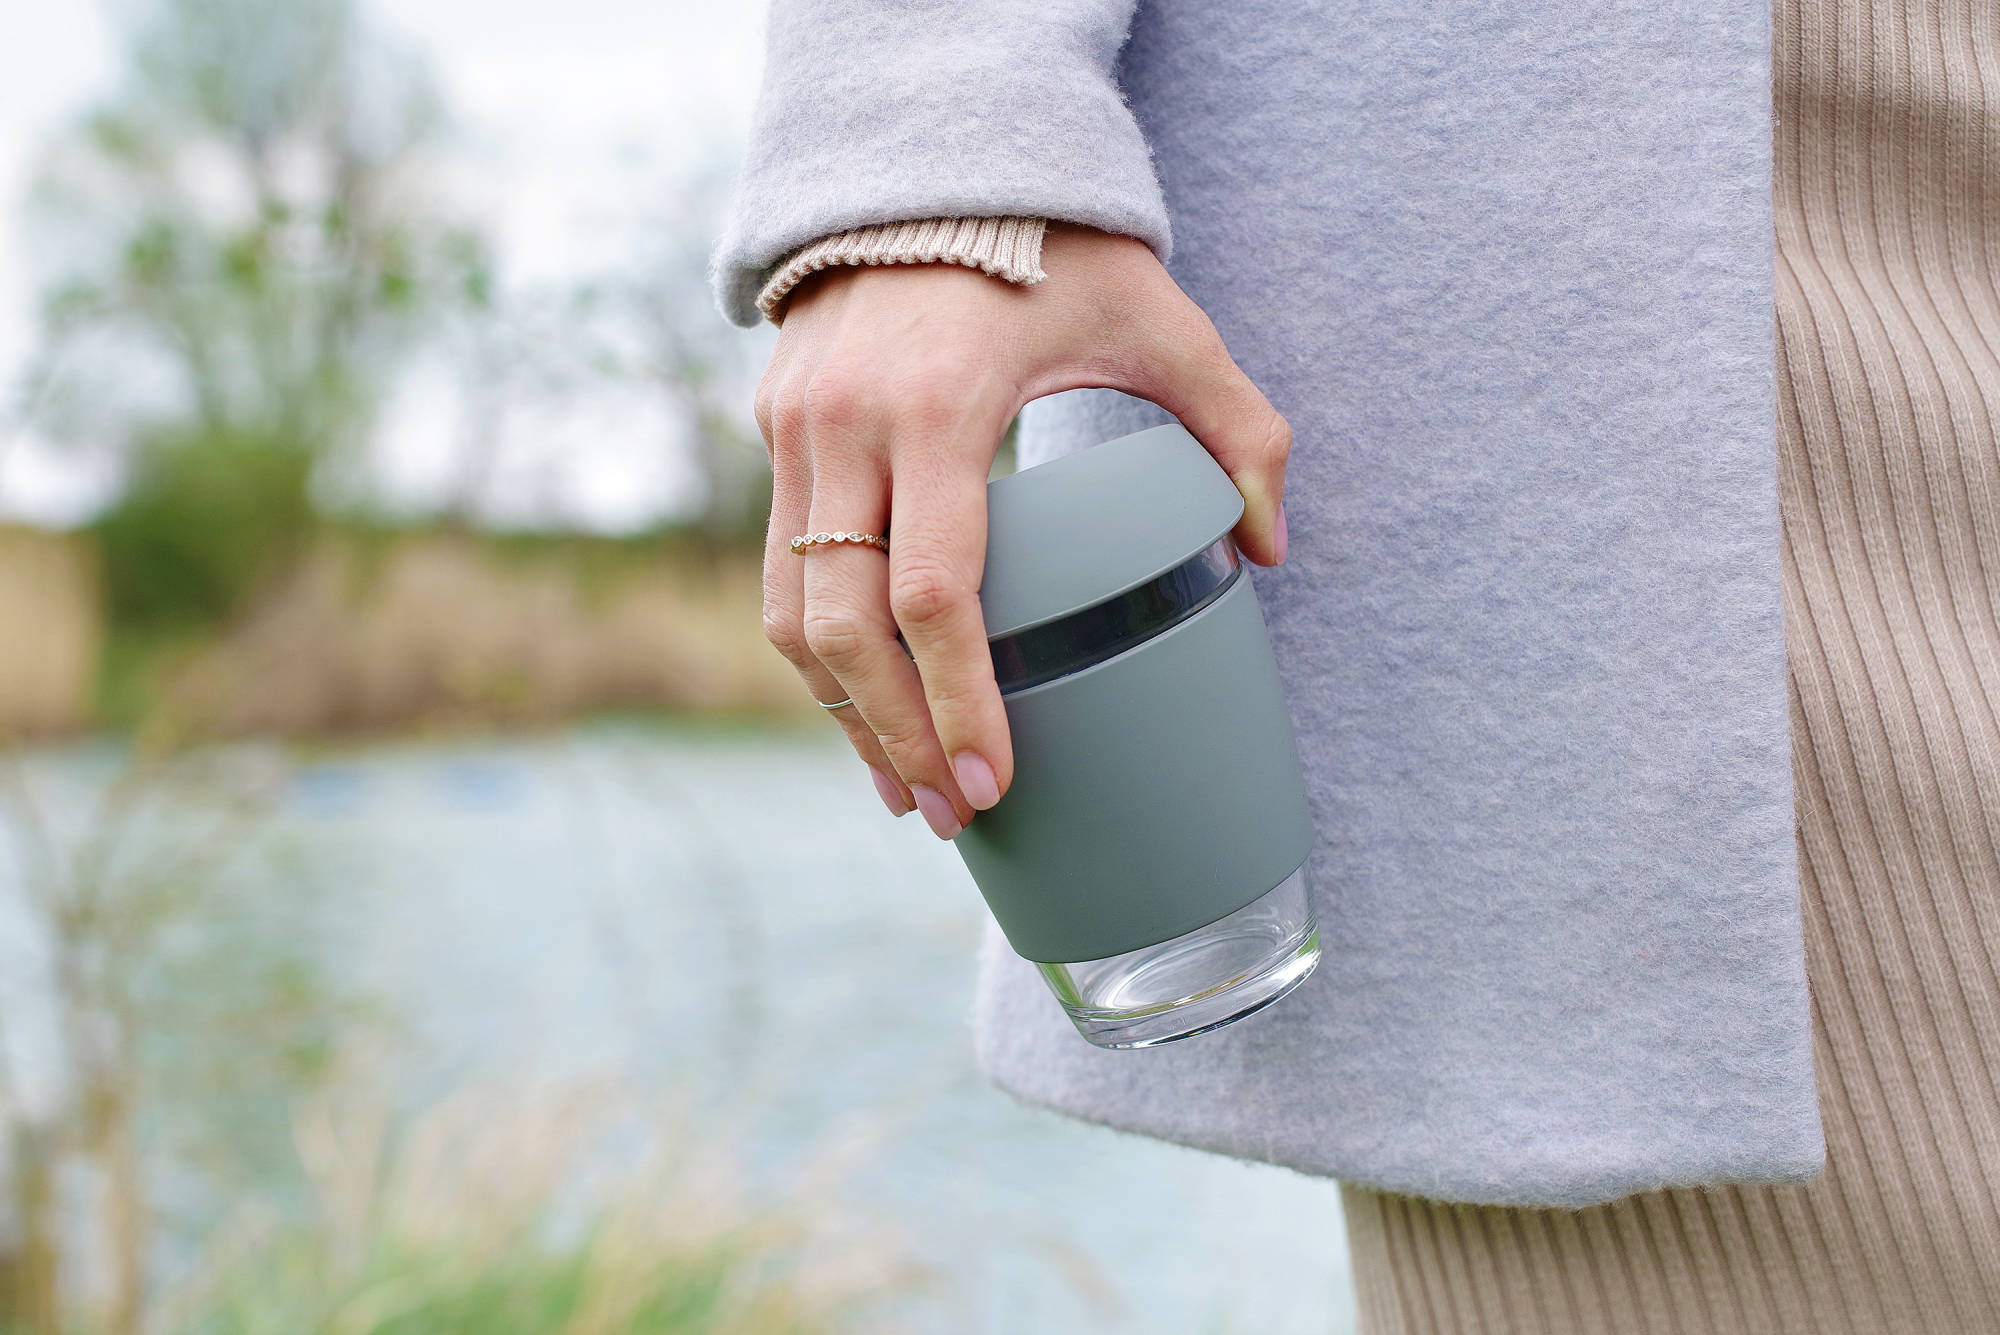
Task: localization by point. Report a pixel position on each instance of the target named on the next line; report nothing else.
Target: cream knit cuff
(1009, 248)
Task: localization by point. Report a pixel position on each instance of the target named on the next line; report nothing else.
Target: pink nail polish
(937, 811)
(1284, 534)
(976, 779)
(891, 798)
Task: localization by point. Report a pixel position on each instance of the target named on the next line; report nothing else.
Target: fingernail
(937, 811)
(1284, 534)
(891, 798)
(975, 779)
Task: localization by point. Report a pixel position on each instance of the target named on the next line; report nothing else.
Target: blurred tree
(654, 324)
(246, 237)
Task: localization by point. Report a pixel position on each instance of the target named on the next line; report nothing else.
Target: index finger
(937, 555)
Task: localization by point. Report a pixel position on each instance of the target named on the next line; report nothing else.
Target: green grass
(494, 1212)
(605, 1285)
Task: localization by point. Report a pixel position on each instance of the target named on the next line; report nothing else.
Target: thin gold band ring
(805, 542)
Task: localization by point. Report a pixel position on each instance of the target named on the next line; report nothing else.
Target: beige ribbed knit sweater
(1887, 191)
(1009, 248)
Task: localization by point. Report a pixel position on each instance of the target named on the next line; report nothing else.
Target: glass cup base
(1192, 984)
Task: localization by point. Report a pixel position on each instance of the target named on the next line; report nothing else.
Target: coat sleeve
(876, 111)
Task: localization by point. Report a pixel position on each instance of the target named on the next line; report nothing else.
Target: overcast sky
(555, 103)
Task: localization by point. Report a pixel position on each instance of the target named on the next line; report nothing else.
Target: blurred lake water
(734, 913)
(728, 915)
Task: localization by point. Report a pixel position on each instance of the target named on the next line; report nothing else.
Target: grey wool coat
(1506, 266)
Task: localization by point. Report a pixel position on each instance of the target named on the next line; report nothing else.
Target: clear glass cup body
(1191, 984)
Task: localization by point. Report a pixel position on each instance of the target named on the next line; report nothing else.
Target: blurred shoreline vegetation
(518, 1211)
(248, 244)
(164, 1007)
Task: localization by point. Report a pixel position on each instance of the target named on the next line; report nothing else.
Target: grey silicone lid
(1069, 533)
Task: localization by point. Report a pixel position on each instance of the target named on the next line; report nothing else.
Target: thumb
(1192, 376)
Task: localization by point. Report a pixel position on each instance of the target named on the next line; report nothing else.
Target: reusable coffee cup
(1149, 856)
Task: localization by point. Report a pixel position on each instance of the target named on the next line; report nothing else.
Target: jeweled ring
(836, 704)
(805, 542)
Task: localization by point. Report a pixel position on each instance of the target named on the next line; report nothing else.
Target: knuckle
(932, 393)
(762, 407)
(785, 634)
(788, 422)
(923, 595)
(902, 743)
(1278, 441)
(859, 735)
(956, 701)
(833, 402)
(835, 636)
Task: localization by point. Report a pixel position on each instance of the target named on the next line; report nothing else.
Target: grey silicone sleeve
(1153, 793)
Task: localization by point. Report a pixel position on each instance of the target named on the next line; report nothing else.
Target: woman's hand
(883, 406)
